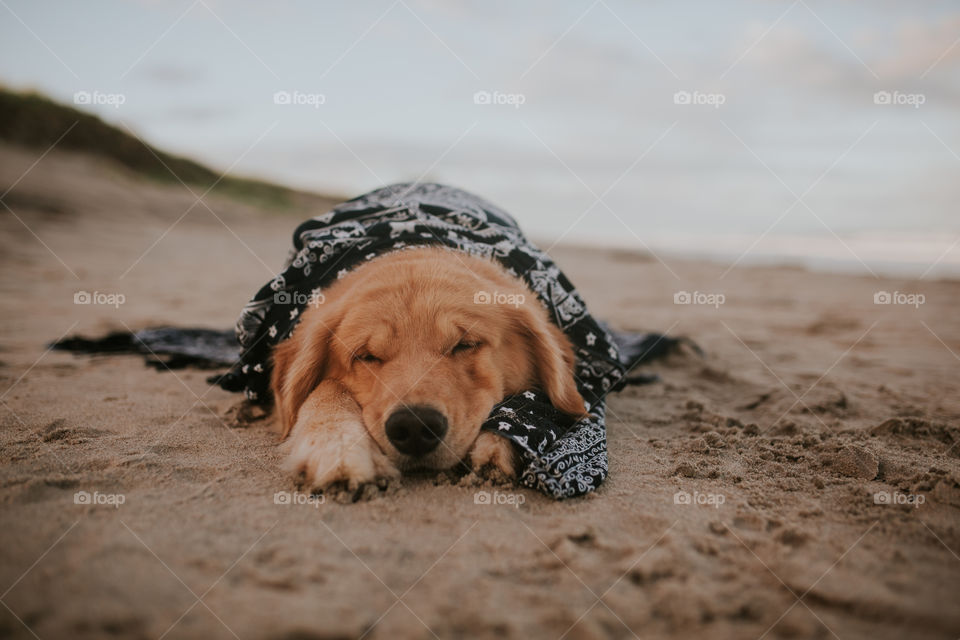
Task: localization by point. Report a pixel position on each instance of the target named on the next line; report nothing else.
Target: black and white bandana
(561, 457)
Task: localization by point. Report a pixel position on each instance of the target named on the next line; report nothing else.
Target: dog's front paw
(493, 452)
(321, 458)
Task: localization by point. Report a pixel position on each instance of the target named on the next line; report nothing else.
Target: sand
(747, 498)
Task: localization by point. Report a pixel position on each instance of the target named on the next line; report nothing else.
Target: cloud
(803, 58)
(918, 47)
(187, 114)
(172, 74)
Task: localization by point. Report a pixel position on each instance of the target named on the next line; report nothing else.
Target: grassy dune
(33, 120)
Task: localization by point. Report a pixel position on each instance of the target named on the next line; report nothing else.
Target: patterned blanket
(562, 457)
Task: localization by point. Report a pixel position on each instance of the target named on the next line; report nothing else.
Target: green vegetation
(33, 120)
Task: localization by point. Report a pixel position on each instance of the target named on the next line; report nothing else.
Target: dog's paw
(493, 453)
(321, 459)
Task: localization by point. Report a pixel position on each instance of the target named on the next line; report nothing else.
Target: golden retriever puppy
(399, 366)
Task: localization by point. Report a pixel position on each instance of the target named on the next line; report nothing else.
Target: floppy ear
(299, 363)
(553, 360)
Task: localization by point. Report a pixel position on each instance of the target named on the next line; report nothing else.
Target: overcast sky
(588, 133)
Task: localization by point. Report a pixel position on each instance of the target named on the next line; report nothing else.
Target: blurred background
(818, 133)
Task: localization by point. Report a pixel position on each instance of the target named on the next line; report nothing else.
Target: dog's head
(426, 342)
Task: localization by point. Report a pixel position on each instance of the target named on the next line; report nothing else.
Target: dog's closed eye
(465, 345)
(366, 356)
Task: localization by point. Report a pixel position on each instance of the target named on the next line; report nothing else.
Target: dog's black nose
(415, 430)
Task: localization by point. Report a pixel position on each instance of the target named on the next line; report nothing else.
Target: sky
(824, 133)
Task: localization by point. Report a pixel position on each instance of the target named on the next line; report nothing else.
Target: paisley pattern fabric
(562, 457)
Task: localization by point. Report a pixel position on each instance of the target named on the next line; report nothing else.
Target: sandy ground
(811, 401)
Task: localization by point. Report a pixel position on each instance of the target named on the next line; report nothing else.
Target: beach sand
(811, 401)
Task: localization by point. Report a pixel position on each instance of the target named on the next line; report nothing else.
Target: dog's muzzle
(417, 430)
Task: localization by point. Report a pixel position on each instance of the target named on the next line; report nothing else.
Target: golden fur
(403, 330)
